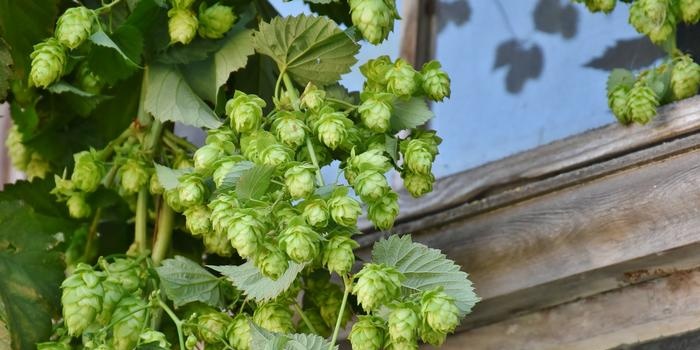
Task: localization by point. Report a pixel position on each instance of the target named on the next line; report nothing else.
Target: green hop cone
(182, 4)
(215, 21)
(641, 103)
(87, 80)
(371, 185)
(78, 207)
(87, 172)
(217, 242)
(134, 175)
(113, 293)
(276, 154)
(377, 284)
(338, 254)
(315, 212)
(312, 98)
(191, 342)
(271, 261)
(332, 129)
(223, 135)
(605, 6)
(245, 111)
(212, 327)
(436, 83)
(191, 189)
(655, 18)
(383, 211)
(53, 345)
(245, 233)
(74, 26)
(129, 315)
(368, 333)
(300, 242)
(289, 129)
(274, 316)
(403, 323)
(182, 25)
(197, 219)
(685, 78)
(123, 272)
(48, 63)
(375, 71)
(18, 153)
(418, 156)
(300, 180)
(375, 111)
(238, 333)
(206, 156)
(431, 336)
(38, 167)
(617, 101)
(172, 199)
(439, 310)
(154, 337)
(689, 10)
(313, 316)
(417, 184)
(81, 299)
(224, 167)
(402, 78)
(344, 210)
(374, 18)
(222, 208)
(370, 160)
(284, 215)
(392, 345)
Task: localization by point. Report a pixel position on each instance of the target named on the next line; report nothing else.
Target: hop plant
(53, 345)
(113, 293)
(374, 18)
(641, 103)
(431, 336)
(439, 310)
(338, 254)
(49, 61)
(212, 326)
(689, 11)
(134, 175)
(215, 21)
(87, 172)
(617, 101)
(154, 337)
(314, 319)
(332, 129)
(289, 129)
(371, 160)
(300, 242)
(377, 284)
(191, 190)
(245, 111)
(129, 317)
(87, 80)
(312, 98)
(375, 71)
(74, 26)
(315, 212)
(123, 272)
(245, 233)
(271, 261)
(299, 180)
(275, 154)
(78, 207)
(329, 303)
(375, 111)
(274, 316)
(371, 186)
(654, 18)
(368, 333)
(436, 83)
(154, 185)
(403, 322)
(605, 6)
(685, 78)
(417, 156)
(217, 242)
(417, 184)
(172, 198)
(182, 25)
(238, 332)
(206, 156)
(402, 78)
(383, 211)
(197, 219)
(344, 210)
(224, 167)
(81, 299)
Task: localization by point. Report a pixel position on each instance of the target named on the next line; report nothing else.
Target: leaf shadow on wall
(458, 12)
(523, 61)
(632, 54)
(553, 17)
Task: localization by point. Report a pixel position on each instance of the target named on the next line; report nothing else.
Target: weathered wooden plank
(577, 241)
(638, 313)
(685, 341)
(596, 145)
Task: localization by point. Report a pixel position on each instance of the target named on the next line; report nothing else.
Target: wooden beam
(639, 313)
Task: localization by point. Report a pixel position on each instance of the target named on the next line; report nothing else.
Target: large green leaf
(409, 114)
(184, 281)
(264, 339)
(101, 38)
(5, 69)
(253, 183)
(231, 179)
(169, 178)
(309, 48)
(426, 268)
(251, 281)
(116, 57)
(169, 97)
(31, 271)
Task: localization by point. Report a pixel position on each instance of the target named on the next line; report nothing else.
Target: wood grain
(639, 313)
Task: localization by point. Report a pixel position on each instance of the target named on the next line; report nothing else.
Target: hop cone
(402, 78)
(690, 11)
(290, 130)
(215, 21)
(338, 254)
(418, 156)
(371, 186)
(191, 189)
(130, 316)
(18, 153)
(276, 154)
(172, 198)
(217, 242)
(206, 156)
(439, 311)
(403, 322)
(182, 25)
(377, 284)
(300, 180)
(74, 26)
(332, 129)
(222, 208)
(313, 97)
(601, 5)
(383, 212)
(48, 63)
(245, 111)
(78, 207)
(685, 78)
(617, 100)
(417, 184)
(197, 219)
(154, 185)
(315, 212)
(38, 167)
(641, 103)
(212, 326)
(375, 112)
(245, 233)
(374, 18)
(113, 293)
(436, 83)
(274, 316)
(81, 298)
(134, 175)
(300, 242)
(431, 336)
(344, 210)
(224, 167)
(375, 71)
(271, 261)
(53, 345)
(238, 333)
(654, 18)
(87, 80)
(87, 172)
(368, 333)
(150, 336)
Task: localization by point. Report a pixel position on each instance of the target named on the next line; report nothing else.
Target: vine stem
(89, 252)
(306, 320)
(176, 321)
(141, 220)
(164, 233)
(348, 285)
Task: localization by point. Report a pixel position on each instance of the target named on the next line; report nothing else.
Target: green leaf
(5, 69)
(251, 281)
(63, 87)
(101, 38)
(169, 178)
(307, 342)
(253, 183)
(5, 339)
(169, 97)
(231, 179)
(36, 195)
(309, 48)
(32, 271)
(184, 281)
(339, 11)
(264, 339)
(391, 144)
(426, 268)
(198, 50)
(116, 57)
(618, 77)
(409, 114)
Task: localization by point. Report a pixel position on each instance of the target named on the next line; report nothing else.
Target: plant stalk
(164, 233)
(348, 285)
(314, 160)
(306, 320)
(176, 321)
(141, 221)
